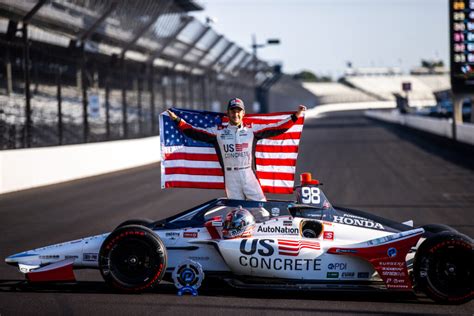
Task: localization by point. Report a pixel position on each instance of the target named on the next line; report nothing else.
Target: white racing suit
(235, 147)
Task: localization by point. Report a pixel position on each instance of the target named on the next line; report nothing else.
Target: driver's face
(235, 115)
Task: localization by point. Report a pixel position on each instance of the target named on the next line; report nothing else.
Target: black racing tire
(432, 229)
(443, 268)
(139, 221)
(132, 259)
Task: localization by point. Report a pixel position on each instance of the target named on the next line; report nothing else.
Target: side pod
(387, 255)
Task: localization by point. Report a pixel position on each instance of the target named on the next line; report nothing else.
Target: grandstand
(77, 71)
(385, 87)
(334, 92)
(385, 83)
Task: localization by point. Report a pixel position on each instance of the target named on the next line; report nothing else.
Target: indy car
(303, 244)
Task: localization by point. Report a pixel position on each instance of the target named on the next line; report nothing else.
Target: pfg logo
(337, 266)
(391, 252)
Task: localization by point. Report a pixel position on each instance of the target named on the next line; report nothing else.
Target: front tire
(140, 221)
(443, 268)
(132, 259)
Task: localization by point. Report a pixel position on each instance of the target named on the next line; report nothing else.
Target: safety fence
(74, 71)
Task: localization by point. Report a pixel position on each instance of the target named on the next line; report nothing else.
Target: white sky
(322, 35)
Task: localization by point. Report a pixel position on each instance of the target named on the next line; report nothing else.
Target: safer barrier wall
(26, 168)
(438, 126)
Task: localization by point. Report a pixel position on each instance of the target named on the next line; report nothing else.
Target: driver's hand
(301, 109)
(172, 115)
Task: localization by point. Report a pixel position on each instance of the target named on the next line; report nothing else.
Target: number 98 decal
(310, 195)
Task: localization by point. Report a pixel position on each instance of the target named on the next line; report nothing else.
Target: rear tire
(443, 268)
(132, 259)
(433, 229)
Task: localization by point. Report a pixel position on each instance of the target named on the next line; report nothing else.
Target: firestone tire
(132, 259)
(140, 221)
(432, 229)
(443, 268)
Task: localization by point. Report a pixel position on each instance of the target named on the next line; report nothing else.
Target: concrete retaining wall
(442, 127)
(26, 168)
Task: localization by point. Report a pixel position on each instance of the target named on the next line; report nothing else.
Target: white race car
(302, 244)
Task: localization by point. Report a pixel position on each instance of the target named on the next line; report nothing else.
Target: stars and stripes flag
(187, 163)
(291, 247)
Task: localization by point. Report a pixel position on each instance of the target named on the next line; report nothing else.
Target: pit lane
(389, 170)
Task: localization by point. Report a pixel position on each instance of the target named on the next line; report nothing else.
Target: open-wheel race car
(303, 244)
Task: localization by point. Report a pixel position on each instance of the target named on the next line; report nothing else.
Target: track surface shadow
(217, 289)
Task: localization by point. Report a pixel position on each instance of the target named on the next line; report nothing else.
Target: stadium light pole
(255, 47)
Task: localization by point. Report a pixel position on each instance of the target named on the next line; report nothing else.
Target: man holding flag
(235, 146)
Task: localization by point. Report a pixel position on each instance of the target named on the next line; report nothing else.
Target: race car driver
(238, 223)
(235, 146)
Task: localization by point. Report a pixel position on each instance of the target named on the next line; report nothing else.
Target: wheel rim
(450, 273)
(133, 262)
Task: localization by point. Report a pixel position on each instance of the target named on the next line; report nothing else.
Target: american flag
(187, 163)
(240, 147)
(289, 247)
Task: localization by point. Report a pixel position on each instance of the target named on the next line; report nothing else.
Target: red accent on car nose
(61, 271)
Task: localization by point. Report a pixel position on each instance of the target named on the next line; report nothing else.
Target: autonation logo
(278, 230)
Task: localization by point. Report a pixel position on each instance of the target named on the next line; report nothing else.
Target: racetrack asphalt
(364, 164)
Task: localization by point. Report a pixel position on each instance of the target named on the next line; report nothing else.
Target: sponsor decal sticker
(348, 274)
(392, 252)
(328, 235)
(278, 230)
(275, 211)
(90, 257)
(293, 247)
(217, 223)
(357, 221)
(241, 147)
(363, 275)
(346, 250)
(172, 234)
(332, 275)
(287, 223)
(391, 263)
(285, 247)
(285, 264)
(258, 254)
(393, 273)
(190, 234)
(198, 258)
(337, 266)
(71, 257)
(49, 257)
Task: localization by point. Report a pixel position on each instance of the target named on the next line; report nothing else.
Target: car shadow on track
(218, 289)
